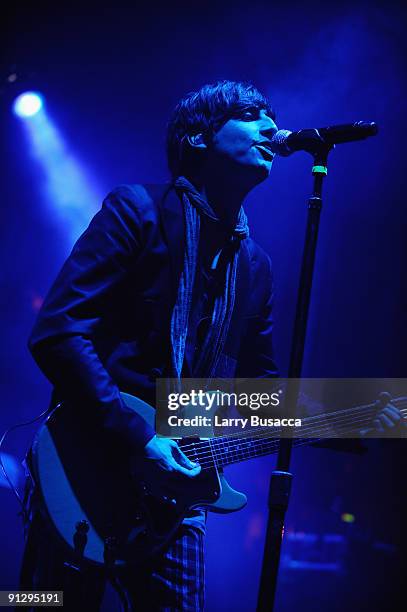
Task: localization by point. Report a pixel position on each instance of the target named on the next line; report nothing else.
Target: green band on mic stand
(319, 170)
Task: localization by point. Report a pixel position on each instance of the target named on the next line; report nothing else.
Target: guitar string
(245, 445)
(239, 453)
(267, 448)
(262, 432)
(218, 445)
(254, 434)
(247, 451)
(320, 417)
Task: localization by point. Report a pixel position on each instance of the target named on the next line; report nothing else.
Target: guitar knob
(168, 500)
(80, 538)
(82, 526)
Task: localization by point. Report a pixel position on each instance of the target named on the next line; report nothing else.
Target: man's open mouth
(265, 151)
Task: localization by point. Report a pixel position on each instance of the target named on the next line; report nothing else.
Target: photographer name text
(241, 422)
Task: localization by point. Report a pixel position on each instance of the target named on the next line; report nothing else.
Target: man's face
(241, 144)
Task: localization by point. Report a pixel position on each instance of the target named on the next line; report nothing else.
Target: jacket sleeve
(62, 339)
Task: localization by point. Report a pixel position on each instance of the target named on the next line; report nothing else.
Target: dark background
(110, 77)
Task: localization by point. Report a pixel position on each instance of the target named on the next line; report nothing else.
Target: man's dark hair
(205, 111)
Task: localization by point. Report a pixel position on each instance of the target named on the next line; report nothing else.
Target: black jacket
(105, 323)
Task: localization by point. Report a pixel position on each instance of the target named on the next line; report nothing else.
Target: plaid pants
(174, 582)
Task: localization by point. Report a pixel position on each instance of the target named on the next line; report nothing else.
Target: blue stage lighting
(27, 104)
(72, 196)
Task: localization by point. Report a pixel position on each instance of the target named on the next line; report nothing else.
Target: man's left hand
(388, 419)
(388, 422)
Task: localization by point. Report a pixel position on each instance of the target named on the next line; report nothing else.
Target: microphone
(285, 142)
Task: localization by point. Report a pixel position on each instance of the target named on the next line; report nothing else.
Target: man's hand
(169, 457)
(387, 421)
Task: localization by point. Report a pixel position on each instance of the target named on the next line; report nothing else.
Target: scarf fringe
(194, 206)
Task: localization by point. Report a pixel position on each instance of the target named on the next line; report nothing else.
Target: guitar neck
(253, 443)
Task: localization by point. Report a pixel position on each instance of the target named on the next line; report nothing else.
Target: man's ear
(196, 141)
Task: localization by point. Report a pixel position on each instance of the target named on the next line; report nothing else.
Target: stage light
(71, 195)
(27, 104)
(347, 517)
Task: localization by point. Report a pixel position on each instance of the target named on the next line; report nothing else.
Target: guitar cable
(2, 466)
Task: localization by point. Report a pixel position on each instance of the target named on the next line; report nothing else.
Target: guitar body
(82, 475)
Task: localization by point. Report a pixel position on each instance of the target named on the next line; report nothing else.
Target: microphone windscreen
(279, 143)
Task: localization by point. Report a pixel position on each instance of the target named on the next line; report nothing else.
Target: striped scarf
(225, 265)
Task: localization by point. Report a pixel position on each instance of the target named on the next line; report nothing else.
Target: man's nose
(268, 128)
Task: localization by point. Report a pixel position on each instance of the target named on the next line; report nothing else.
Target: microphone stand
(280, 481)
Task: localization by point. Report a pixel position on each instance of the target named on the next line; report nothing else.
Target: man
(164, 282)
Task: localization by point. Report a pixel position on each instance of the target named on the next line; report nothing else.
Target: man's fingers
(392, 413)
(188, 472)
(177, 461)
(178, 467)
(385, 420)
(183, 459)
(388, 418)
(167, 455)
(378, 426)
(185, 466)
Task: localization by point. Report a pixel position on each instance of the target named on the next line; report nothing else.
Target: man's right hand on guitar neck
(169, 457)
